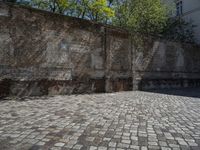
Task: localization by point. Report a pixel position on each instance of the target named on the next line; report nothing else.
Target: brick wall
(44, 53)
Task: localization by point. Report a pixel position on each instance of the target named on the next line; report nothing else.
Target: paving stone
(126, 141)
(106, 139)
(182, 142)
(102, 148)
(153, 143)
(134, 138)
(122, 145)
(112, 144)
(40, 143)
(93, 148)
(152, 147)
(59, 144)
(90, 139)
(77, 146)
(176, 149)
(192, 144)
(134, 147)
(163, 144)
(55, 148)
(144, 148)
(165, 148)
(46, 140)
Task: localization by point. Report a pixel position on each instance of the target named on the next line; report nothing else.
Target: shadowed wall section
(163, 64)
(46, 54)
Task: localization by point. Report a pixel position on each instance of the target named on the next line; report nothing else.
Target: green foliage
(100, 10)
(180, 30)
(58, 6)
(97, 10)
(145, 16)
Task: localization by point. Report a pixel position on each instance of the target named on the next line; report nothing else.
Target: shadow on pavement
(188, 92)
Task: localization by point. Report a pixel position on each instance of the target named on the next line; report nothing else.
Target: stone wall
(42, 53)
(164, 64)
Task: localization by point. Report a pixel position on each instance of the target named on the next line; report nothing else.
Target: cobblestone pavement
(127, 120)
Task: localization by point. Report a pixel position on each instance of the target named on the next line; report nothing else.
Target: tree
(58, 6)
(180, 30)
(144, 16)
(97, 10)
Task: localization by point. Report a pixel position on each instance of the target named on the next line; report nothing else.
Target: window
(179, 8)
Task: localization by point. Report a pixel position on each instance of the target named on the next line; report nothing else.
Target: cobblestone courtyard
(127, 120)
